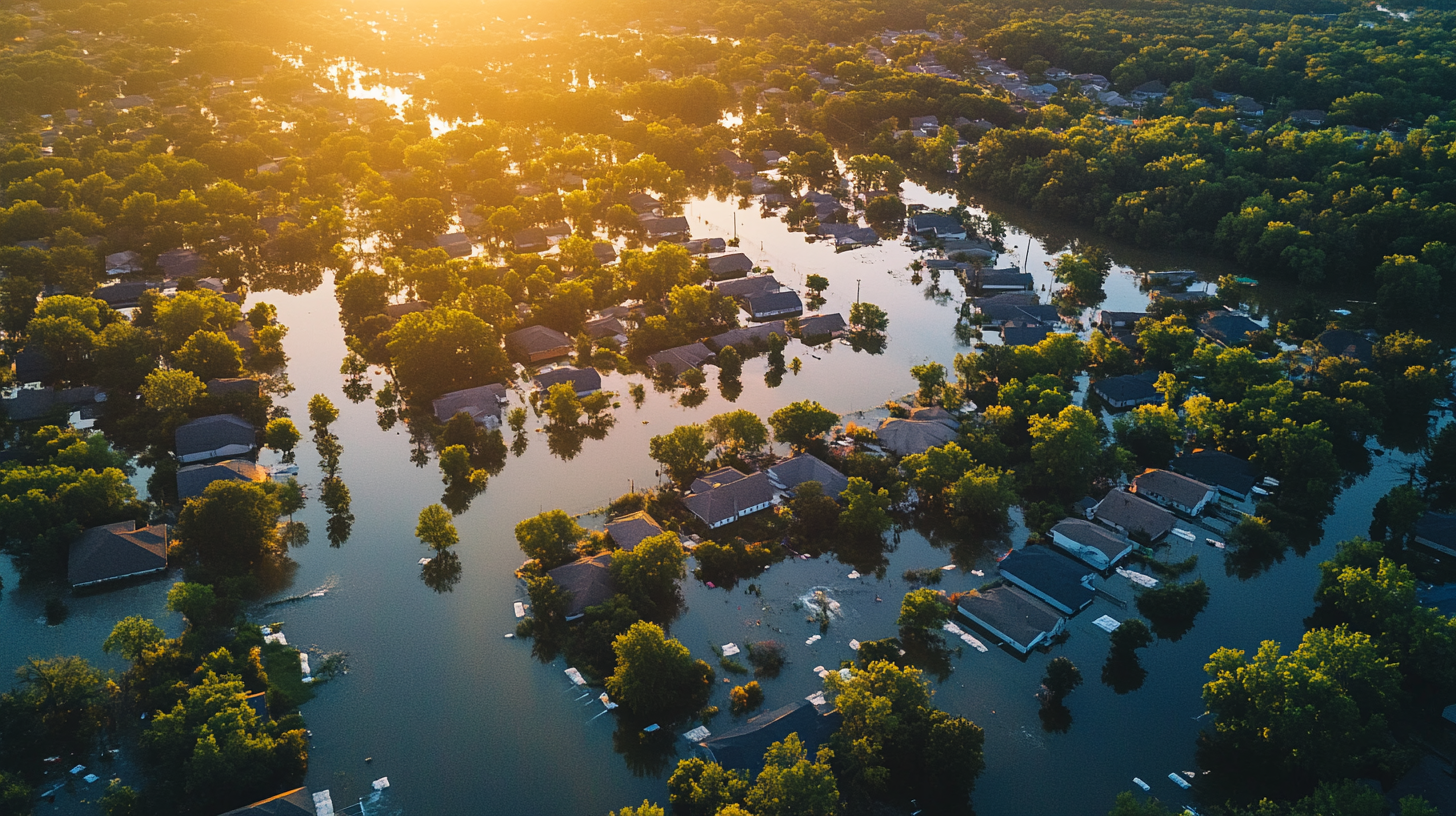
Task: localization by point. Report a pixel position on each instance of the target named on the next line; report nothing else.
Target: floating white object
(520, 609)
(854, 574)
(1106, 624)
(318, 594)
(90, 778)
(818, 669)
(649, 729)
(424, 561)
(1273, 482)
(277, 637)
(854, 644)
(1259, 491)
(576, 677)
(1179, 781)
(381, 783)
(811, 641)
(607, 701)
(952, 628)
(323, 804)
(844, 674)
(730, 649)
(1213, 542)
(1141, 784)
(971, 641)
(698, 734)
(1186, 535)
(510, 635)
(1138, 578)
(817, 698)
(948, 567)
(303, 662)
(308, 679)
(979, 573)
(77, 769)
(267, 631)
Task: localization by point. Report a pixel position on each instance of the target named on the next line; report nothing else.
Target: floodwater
(464, 720)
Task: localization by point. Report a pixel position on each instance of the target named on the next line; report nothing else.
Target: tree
(922, 611)
(746, 697)
(648, 573)
(1062, 676)
(561, 405)
(229, 530)
(684, 452)
(1151, 433)
(179, 317)
(122, 357)
(436, 529)
(866, 510)
(1122, 671)
(64, 695)
(131, 636)
(210, 355)
(1172, 608)
(791, 785)
(738, 431)
(815, 516)
(867, 317)
(16, 797)
(730, 363)
(171, 392)
(1166, 344)
(701, 788)
(321, 414)
(655, 675)
(1066, 450)
(444, 349)
(930, 376)
(982, 497)
(197, 603)
(550, 538)
(282, 435)
(800, 423)
(644, 809)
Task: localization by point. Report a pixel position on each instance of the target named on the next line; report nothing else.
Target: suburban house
(1248, 107)
(215, 437)
(455, 244)
(192, 480)
(673, 227)
(632, 529)
(582, 380)
(706, 246)
(1020, 620)
(589, 580)
(297, 802)
(1345, 343)
(1019, 307)
(1127, 391)
(1012, 335)
(607, 328)
(820, 327)
(530, 239)
(1110, 321)
(482, 404)
(925, 429)
(115, 551)
(728, 494)
(534, 344)
(1437, 531)
(555, 231)
(1173, 490)
(1009, 279)
(643, 203)
(395, 311)
(749, 337)
(803, 467)
(1307, 116)
(933, 225)
(1055, 579)
(742, 748)
(124, 294)
(733, 265)
(1098, 547)
(741, 289)
(1149, 91)
(1227, 328)
(122, 263)
(680, 359)
(605, 253)
(774, 304)
(179, 263)
(1231, 475)
(1129, 514)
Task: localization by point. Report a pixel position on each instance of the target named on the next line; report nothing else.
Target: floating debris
(979, 573)
(698, 734)
(277, 637)
(576, 677)
(1141, 784)
(811, 641)
(1179, 781)
(510, 635)
(853, 574)
(381, 783)
(520, 609)
(854, 644)
(1138, 578)
(970, 641)
(424, 561)
(90, 778)
(730, 649)
(1106, 624)
(77, 769)
(948, 567)
(651, 728)
(607, 701)
(323, 803)
(1186, 535)
(1215, 543)
(845, 674)
(303, 663)
(817, 698)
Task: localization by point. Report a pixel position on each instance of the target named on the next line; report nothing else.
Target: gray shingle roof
(742, 748)
(1172, 486)
(480, 402)
(822, 325)
(116, 551)
(194, 479)
(749, 286)
(581, 380)
(750, 336)
(732, 265)
(1091, 535)
(729, 498)
(632, 529)
(297, 802)
(535, 340)
(775, 303)
(1134, 514)
(1012, 612)
(1126, 389)
(589, 580)
(1214, 467)
(907, 436)
(1055, 576)
(213, 433)
(804, 467)
(682, 358)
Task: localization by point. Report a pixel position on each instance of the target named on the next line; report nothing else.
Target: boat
(1141, 784)
(1215, 543)
(1270, 481)
(1259, 491)
(1179, 781)
(1184, 534)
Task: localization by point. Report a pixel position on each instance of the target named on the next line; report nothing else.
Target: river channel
(463, 720)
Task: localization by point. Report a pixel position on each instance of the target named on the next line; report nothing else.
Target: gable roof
(775, 303)
(589, 580)
(537, 340)
(673, 225)
(1024, 335)
(479, 402)
(192, 480)
(1053, 575)
(907, 436)
(1091, 535)
(1438, 528)
(397, 310)
(717, 478)
(604, 327)
(805, 467)
(1214, 467)
(232, 385)
(1118, 320)
(1126, 388)
(530, 238)
(749, 336)
(742, 748)
(632, 529)
(731, 265)
(580, 379)
(117, 550)
(1345, 343)
(1013, 613)
(822, 325)
(749, 286)
(682, 358)
(1172, 486)
(1134, 514)
(729, 497)
(1227, 327)
(297, 802)
(213, 433)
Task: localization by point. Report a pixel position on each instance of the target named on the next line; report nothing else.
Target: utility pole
(856, 290)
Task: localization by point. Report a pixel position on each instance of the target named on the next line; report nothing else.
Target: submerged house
(215, 437)
(740, 289)
(742, 748)
(1129, 514)
(750, 336)
(936, 225)
(774, 304)
(1173, 490)
(632, 529)
(1126, 391)
(482, 404)
(1227, 328)
(1007, 612)
(1437, 531)
(589, 580)
(1055, 579)
(728, 494)
(193, 480)
(680, 359)
(112, 552)
(1098, 547)
(804, 467)
(534, 344)
(734, 265)
(819, 327)
(582, 380)
(297, 802)
(925, 429)
(1231, 475)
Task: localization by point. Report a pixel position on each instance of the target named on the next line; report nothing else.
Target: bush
(746, 697)
(767, 657)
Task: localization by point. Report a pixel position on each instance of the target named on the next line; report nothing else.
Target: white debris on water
(277, 637)
(576, 677)
(698, 734)
(730, 649)
(854, 644)
(817, 698)
(812, 640)
(381, 783)
(520, 609)
(1138, 578)
(1106, 624)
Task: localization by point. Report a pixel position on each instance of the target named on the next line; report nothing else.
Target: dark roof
(456, 244)
(1012, 612)
(702, 246)
(682, 358)
(1126, 388)
(1438, 528)
(1227, 327)
(297, 802)
(674, 225)
(1344, 343)
(804, 467)
(749, 286)
(642, 202)
(580, 379)
(1000, 278)
(750, 336)
(258, 701)
(604, 251)
(124, 293)
(1134, 514)
(727, 500)
(530, 238)
(742, 748)
(632, 529)
(179, 263)
(1020, 306)
(1051, 574)
(1214, 467)
(907, 436)
(192, 480)
(116, 551)
(604, 327)
(1174, 487)
(821, 325)
(926, 221)
(935, 413)
(589, 580)
(32, 365)
(479, 402)
(730, 266)
(1124, 320)
(1024, 335)
(214, 432)
(775, 303)
(717, 478)
(232, 385)
(534, 340)
(1091, 535)
(397, 310)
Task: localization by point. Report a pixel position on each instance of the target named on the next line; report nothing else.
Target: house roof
(115, 551)
(534, 340)
(1151, 87)
(673, 225)
(1124, 320)
(716, 478)
(1227, 327)
(232, 385)
(1345, 343)
(478, 402)
(1091, 535)
(397, 310)
(804, 467)
(729, 497)
(123, 294)
(589, 580)
(530, 238)
(192, 480)
(682, 358)
(742, 748)
(1172, 486)
(921, 222)
(604, 251)
(604, 327)
(297, 802)
(822, 325)
(1052, 574)
(749, 336)
(1126, 387)
(772, 302)
(702, 246)
(907, 436)
(749, 286)
(1005, 277)
(642, 202)
(731, 264)
(1134, 514)
(1024, 335)
(1012, 612)
(1438, 528)
(632, 529)
(1214, 467)
(214, 432)
(581, 379)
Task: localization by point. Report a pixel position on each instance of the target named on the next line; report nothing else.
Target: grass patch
(929, 575)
